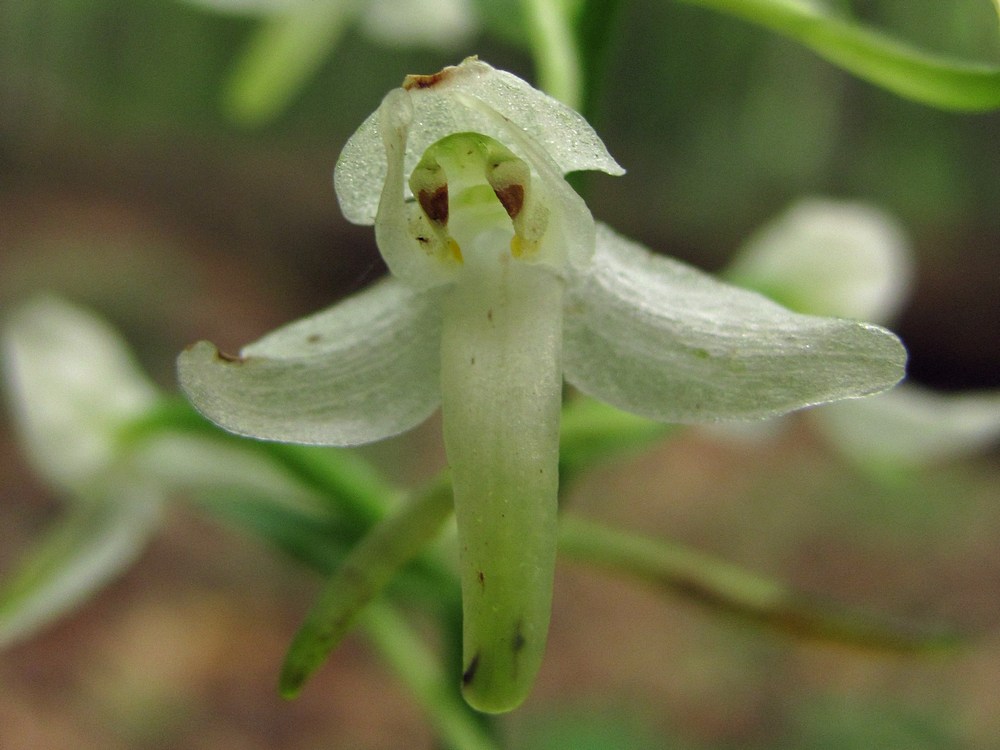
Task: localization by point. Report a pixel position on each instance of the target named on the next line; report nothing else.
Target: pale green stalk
(283, 52)
(421, 672)
(734, 590)
(554, 48)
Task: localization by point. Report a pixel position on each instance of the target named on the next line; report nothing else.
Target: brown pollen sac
(435, 204)
(512, 198)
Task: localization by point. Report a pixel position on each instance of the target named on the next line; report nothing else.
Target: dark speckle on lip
(470, 672)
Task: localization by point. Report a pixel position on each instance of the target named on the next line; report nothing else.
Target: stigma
(472, 195)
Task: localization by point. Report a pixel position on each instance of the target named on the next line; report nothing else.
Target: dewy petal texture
(471, 97)
(362, 370)
(658, 338)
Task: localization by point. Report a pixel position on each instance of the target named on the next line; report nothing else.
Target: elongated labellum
(501, 388)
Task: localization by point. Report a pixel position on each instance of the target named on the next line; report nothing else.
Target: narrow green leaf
(735, 591)
(932, 79)
(365, 572)
(284, 51)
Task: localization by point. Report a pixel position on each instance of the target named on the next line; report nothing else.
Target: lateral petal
(656, 337)
(360, 371)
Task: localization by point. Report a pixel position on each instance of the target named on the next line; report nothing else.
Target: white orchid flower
(501, 286)
(74, 389)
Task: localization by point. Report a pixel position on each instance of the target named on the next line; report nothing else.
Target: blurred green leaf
(876, 57)
(365, 572)
(592, 431)
(285, 50)
(730, 589)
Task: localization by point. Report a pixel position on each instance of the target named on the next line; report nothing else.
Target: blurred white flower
(74, 390)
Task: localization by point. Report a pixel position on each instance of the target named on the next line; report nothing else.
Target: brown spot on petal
(227, 357)
(435, 204)
(417, 81)
(428, 81)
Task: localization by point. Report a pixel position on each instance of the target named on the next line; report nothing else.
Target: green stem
(930, 79)
(553, 44)
(736, 591)
(365, 572)
(356, 490)
(283, 52)
(418, 669)
(598, 20)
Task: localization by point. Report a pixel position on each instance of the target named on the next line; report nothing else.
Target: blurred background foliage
(125, 186)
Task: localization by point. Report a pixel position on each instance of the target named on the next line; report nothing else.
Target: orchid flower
(501, 287)
(74, 391)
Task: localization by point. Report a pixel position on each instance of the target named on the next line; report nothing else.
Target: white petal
(911, 425)
(437, 23)
(87, 548)
(656, 337)
(829, 258)
(472, 96)
(72, 385)
(360, 371)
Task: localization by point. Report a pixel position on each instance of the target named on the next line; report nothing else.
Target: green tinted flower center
(469, 188)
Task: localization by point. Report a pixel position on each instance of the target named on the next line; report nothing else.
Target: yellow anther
(456, 251)
(516, 246)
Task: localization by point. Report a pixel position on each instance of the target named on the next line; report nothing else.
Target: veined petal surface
(360, 371)
(658, 338)
(470, 97)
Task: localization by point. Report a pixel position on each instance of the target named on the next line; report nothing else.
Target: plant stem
(365, 572)
(553, 44)
(420, 671)
(738, 592)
